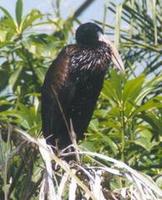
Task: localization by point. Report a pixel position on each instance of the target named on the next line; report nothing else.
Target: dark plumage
(73, 84)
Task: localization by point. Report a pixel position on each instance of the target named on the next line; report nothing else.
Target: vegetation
(127, 123)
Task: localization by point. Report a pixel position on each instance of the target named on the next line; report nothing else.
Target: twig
(82, 8)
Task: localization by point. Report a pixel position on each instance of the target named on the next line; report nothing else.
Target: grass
(95, 176)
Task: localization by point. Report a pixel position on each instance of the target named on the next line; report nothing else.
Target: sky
(94, 12)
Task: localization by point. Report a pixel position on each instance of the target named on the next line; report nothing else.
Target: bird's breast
(91, 59)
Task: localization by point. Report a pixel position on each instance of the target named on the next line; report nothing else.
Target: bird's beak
(116, 58)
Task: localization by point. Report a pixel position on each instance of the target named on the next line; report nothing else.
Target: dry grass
(90, 180)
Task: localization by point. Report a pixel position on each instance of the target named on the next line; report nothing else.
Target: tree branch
(82, 8)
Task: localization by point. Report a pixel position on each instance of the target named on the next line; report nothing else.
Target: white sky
(94, 12)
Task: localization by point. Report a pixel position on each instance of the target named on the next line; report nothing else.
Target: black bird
(73, 83)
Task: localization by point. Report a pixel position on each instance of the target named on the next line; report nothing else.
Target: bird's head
(87, 35)
(90, 35)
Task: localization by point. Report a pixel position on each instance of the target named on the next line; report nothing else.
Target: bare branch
(82, 8)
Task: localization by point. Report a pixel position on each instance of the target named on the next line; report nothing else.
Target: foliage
(139, 34)
(127, 122)
(94, 180)
(25, 57)
(129, 115)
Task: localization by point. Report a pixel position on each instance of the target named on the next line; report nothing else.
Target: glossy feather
(70, 91)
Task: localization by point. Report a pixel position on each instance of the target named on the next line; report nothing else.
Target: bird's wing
(57, 92)
(84, 102)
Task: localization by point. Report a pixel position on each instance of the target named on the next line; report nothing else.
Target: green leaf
(94, 125)
(4, 76)
(117, 24)
(144, 139)
(7, 14)
(101, 113)
(132, 88)
(154, 14)
(109, 142)
(150, 104)
(109, 92)
(117, 83)
(8, 30)
(159, 181)
(19, 11)
(28, 116)
(31, 18)
(113, 87)
(40, 72)
(155, 123)
(15, 75)
(3, 35)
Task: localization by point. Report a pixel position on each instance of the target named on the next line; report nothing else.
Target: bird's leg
(74, 140)
(61, 109)
(70, 129)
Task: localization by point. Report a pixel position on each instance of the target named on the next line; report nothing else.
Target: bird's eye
(99, 30)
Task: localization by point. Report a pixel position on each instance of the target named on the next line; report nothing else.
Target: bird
(73, 84)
